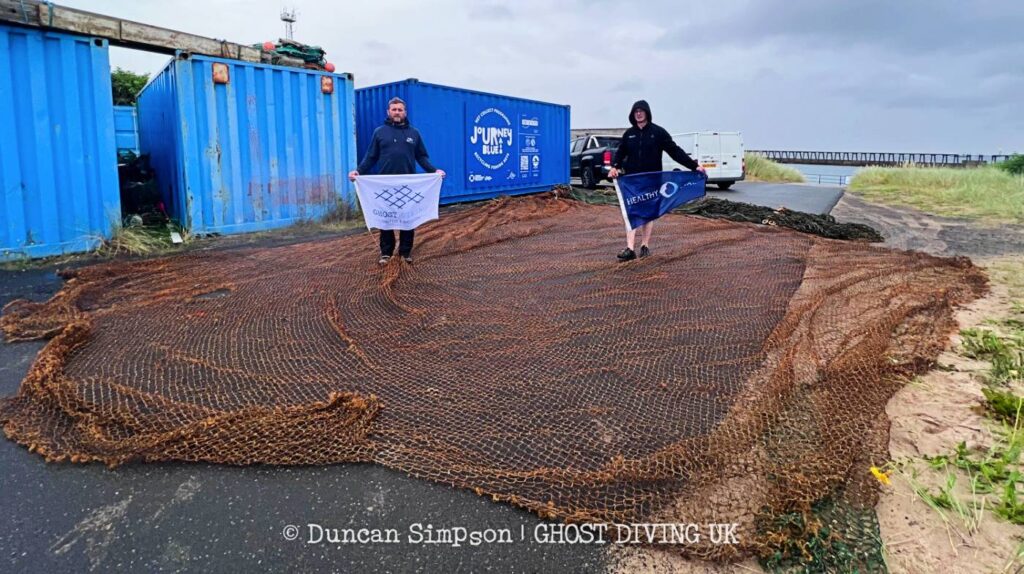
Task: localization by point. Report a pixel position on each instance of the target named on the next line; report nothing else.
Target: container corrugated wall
(267, 149)
(126, 128)
(58, 160)
(160, 137)
(488, 144)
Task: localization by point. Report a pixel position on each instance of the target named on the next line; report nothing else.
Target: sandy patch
(934, 414)
(931, 417)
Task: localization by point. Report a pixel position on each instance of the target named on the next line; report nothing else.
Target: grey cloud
(375, 46)
(945, 88)
(911, 26)
(490, 12)
(966, 101)
(635, 86)
(831, 74)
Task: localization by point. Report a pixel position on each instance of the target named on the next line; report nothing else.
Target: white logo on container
(492, 132)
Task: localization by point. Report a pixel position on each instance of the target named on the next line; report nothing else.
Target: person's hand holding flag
(614, 172)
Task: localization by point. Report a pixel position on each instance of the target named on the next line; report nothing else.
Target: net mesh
(738, 375)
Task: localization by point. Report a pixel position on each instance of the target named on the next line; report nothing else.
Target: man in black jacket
(396, 148)
(640, 152)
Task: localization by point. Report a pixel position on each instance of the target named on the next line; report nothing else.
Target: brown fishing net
(739, 374)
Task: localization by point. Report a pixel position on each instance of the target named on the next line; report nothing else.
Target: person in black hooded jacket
(640, 152)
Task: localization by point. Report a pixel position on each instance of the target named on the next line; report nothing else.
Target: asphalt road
(795, 196)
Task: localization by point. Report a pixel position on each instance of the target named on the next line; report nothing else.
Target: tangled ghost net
(738, 374)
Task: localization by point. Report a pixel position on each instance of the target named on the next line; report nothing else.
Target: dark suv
(590, 158)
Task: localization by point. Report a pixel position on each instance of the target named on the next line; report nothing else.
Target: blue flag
(645, 197)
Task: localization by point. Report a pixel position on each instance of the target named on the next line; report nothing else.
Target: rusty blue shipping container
(58, 162)
(488, 144)
(239, 147)
(126, 128)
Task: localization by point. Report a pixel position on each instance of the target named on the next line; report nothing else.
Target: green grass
(140, 241)
(945, 500)
(1004, 405)
(340, 218)
(1004, 349)
(993, 475)
(761, 169)
(1009, 272)
(1014, 165)
(986, 193)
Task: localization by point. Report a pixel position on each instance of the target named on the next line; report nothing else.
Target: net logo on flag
(645, 197)
(398, 201)
(399, 196)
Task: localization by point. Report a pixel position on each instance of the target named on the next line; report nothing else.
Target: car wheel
(724, 185)
(587, 177)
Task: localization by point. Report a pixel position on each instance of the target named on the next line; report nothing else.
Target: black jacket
(395, 149)
(641, 149)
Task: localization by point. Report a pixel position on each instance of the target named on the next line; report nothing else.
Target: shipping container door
(58, 160)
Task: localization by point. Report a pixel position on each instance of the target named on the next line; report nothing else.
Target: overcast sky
(863, 75)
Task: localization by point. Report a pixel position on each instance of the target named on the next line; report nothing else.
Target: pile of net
(737, 375)
(818, 224)
(823, 225)
(313, 57)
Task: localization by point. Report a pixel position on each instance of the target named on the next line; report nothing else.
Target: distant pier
(853, 158)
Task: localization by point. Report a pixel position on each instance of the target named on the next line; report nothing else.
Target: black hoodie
(396, 149)
(641, 149)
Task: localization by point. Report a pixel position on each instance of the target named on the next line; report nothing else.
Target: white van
(719, 153)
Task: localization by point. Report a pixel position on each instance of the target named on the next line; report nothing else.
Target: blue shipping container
(488, 144)
(126, 128)
(58, 161)
(260, 147)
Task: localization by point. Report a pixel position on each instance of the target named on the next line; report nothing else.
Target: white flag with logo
(399, 201)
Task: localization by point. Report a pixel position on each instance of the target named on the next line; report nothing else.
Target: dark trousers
(387, 242)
